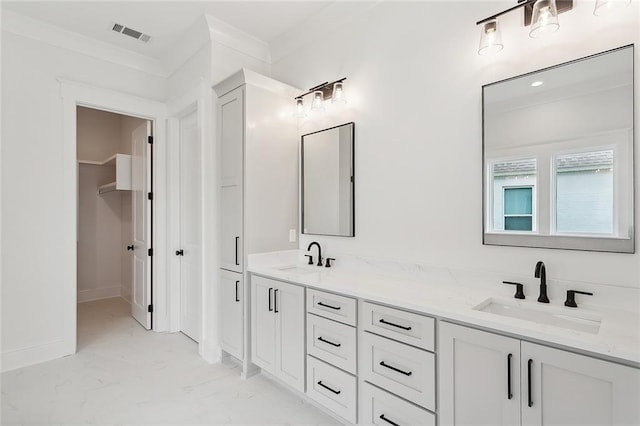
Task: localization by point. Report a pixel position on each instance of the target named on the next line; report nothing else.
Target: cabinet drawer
(332, 306)
(406, 371)
(378, 407)
(414, 329)
(332, 388)
(332, 342)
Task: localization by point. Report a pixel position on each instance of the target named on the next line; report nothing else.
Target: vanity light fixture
(490, 38)
(300, 112)
(606, 6)
(333, 90)
(316, 102)
(542, 15)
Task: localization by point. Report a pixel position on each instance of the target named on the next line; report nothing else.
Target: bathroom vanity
(374, 349)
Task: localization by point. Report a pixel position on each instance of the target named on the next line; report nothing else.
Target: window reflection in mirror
(558, 156)
(327, 181)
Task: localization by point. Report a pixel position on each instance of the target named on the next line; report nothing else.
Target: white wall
(33, 173)
(414, 89)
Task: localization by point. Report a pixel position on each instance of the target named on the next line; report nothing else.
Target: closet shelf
(122, 165)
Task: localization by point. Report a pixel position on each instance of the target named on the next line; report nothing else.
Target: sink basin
(298, 270)
(567, 318)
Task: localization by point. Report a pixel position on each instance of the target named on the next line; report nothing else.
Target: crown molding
(55, 36)
(230, 36)
(330, 19)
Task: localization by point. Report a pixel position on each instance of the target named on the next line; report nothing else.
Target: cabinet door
(231, 313)
(289, 312)
(570, 389)
(263, 329)
(479, 377)
(231, 136)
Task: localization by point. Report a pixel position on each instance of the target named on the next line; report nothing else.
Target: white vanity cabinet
(277, 329)
(331, 352)
(406, 372)
(486, 378)
(258, 151)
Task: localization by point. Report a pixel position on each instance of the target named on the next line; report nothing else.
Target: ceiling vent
(131, 32)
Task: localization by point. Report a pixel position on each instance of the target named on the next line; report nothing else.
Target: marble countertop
(618, 337)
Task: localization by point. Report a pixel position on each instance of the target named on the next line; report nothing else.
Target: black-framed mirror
(327, 176)
(558, 148)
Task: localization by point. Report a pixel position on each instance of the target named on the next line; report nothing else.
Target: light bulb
(316, 103)
(490, 38)
(545, 18)
(300, 112)
(338, 96)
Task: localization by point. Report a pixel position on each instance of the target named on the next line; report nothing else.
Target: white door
(231, 313)
(141, 205)
(479, 377)
(288, 306)
(231, 119)
(570, 389)
(263, 329)
(190, 250)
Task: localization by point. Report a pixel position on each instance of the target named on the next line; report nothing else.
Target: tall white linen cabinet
(258, 191)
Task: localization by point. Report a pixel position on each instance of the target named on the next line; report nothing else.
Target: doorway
(114, 210)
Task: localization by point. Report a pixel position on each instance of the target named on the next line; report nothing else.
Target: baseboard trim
(99, 293)
(18, 358)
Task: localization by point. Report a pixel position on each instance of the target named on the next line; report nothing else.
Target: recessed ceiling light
(536, 84)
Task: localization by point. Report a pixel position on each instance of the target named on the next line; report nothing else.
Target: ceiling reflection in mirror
(558, 156)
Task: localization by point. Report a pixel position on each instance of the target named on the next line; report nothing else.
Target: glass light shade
(545, 18)
(490, 38)
(605, 6)
(300, 112)
(316, 103)
(338, 96)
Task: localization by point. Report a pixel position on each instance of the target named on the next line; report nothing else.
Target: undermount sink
(299, 270)
(586, 322)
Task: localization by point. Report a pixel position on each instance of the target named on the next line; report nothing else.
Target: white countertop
(618, 337)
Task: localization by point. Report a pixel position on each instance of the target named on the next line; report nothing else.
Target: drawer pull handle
(337, 308)
(388, 421)
(382, 320)
(337, 345)
(270, 296)
(406, 373)
(328, 388)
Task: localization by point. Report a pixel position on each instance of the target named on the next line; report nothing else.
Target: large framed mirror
(558, 167)
(328, 181)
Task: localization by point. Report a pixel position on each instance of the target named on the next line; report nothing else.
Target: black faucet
(315, 243)
(541, 273)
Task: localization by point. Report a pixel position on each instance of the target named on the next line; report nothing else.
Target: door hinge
(150, 308)
(150, 139)
(150, 195)
(150, 252)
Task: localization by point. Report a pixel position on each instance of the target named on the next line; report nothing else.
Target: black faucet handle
(310, 262)
(519, 289)
(328, 262)
(571, 297)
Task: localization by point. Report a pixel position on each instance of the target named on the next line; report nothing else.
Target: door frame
(76, 94)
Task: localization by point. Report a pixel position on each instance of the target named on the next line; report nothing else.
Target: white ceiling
(164, 21)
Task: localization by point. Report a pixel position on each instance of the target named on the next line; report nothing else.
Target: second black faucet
(315, 243)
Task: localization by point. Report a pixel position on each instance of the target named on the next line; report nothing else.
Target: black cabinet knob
(180, 252)
(519, 289)
(130, 247)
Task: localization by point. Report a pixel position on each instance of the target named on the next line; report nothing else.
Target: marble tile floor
(122, 374)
